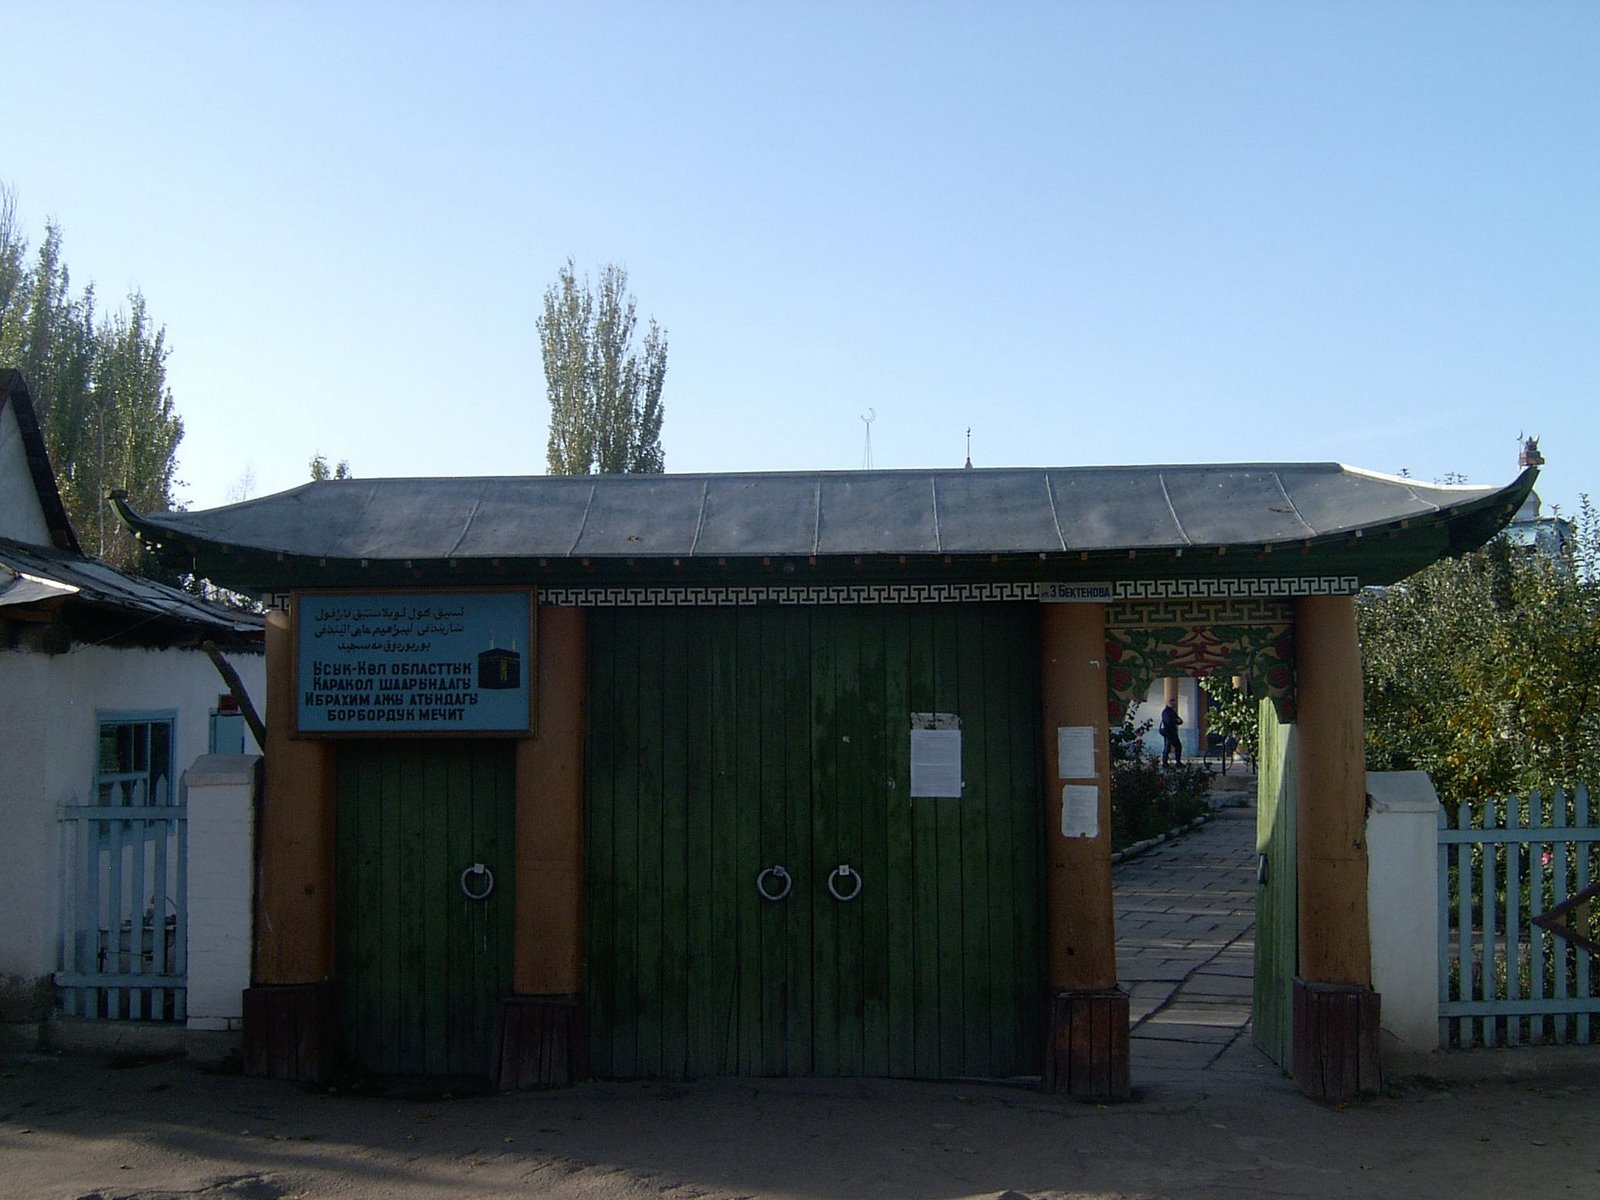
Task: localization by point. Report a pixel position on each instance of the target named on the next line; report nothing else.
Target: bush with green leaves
(1231, 710)
(1484, 671)
(1127, 739)
(1148, 799)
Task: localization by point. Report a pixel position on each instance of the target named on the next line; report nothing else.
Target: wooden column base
(291, 1031)
(1087, 1056)
(539, 1043)
(1335, 1040)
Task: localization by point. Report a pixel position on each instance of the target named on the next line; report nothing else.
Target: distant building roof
(147, 610)
(14, 396)
(1173, 518)
(1551, 534)
(47, 580)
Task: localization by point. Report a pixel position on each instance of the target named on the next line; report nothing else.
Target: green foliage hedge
(1148, 799)
(1484, 671)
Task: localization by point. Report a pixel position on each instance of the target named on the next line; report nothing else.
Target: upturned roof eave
(1378, 552)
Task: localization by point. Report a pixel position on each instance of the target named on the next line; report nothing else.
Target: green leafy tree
(138, 426)
(98, 385)
(13, 272)
(1484, 671)
(605, 396)
(321, 470)
(1233, 710)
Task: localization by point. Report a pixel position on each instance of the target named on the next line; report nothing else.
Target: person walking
(1171, 746)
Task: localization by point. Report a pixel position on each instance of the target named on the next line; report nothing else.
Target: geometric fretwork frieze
(1185, 610)
(1136, 656)
(1133, 602)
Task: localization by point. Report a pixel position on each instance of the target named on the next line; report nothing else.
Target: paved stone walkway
(1186, 954)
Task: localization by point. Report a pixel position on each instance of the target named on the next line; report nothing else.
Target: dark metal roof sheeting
(821, 514)
(94, 582)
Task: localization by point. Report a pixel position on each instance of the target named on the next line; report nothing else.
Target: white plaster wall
(221, 796)
(1403, 904)
(48, 707)
(21, 519)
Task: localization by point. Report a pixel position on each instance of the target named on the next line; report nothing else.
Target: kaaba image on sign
(499, 670)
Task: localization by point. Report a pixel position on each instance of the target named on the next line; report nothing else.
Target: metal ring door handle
(480, 870)
(845, 873)
(781, 875)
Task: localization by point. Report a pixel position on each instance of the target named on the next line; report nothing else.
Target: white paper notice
(1080, 811)
(936, 762)
(1075, 751)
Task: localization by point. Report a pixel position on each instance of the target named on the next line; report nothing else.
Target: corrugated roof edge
(92, 581)
(190, 526)
(844, 472)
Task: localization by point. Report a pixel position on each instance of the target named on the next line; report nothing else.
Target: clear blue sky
(1094, 233)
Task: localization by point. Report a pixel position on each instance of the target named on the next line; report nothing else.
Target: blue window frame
(134, 758)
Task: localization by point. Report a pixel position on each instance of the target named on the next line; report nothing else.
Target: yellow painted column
(1087, 1054)
(1332, 852)
(1083, 943)
(295, 888)
(291, 1007)
(1335, 1011)
(549, 910)
(541, 1040)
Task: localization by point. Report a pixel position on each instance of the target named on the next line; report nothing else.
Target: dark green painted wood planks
(421, 965)
(726, 741)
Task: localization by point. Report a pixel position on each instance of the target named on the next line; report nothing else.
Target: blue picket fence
(1519, 921)
(123, 873)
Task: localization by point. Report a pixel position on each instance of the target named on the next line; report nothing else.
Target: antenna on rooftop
(969, 447)
(868, 417)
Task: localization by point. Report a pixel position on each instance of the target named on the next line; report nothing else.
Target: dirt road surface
(1212, 1117)
(1513, 1123)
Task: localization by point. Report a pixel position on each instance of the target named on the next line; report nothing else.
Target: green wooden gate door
(421, 963)
(726, 742)
(1277, 905)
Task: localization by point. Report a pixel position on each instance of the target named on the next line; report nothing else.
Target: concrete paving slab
(1213, 983)
(1139, 1010)
(1154, 1058)
(1153, 1030)
(1186, 953)
(1164, 969)
(1192, 1016)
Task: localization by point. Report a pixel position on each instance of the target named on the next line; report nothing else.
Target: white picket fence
(123, 873)
(1519, 921)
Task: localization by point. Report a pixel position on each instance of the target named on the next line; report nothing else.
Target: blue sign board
(413, 662)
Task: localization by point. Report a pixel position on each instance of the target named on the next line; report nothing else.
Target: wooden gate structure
(717, 676)
(765, 896)
(425, 950)
(1277, 926)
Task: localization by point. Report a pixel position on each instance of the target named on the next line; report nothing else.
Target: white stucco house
(123, 897)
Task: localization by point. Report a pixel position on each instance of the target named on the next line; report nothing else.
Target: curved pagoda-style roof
(1262, 520)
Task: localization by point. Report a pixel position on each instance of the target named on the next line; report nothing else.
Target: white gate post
(221, 802)
(1402, 904)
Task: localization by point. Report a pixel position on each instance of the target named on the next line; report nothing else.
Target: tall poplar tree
(99, 388)
(605, 396)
